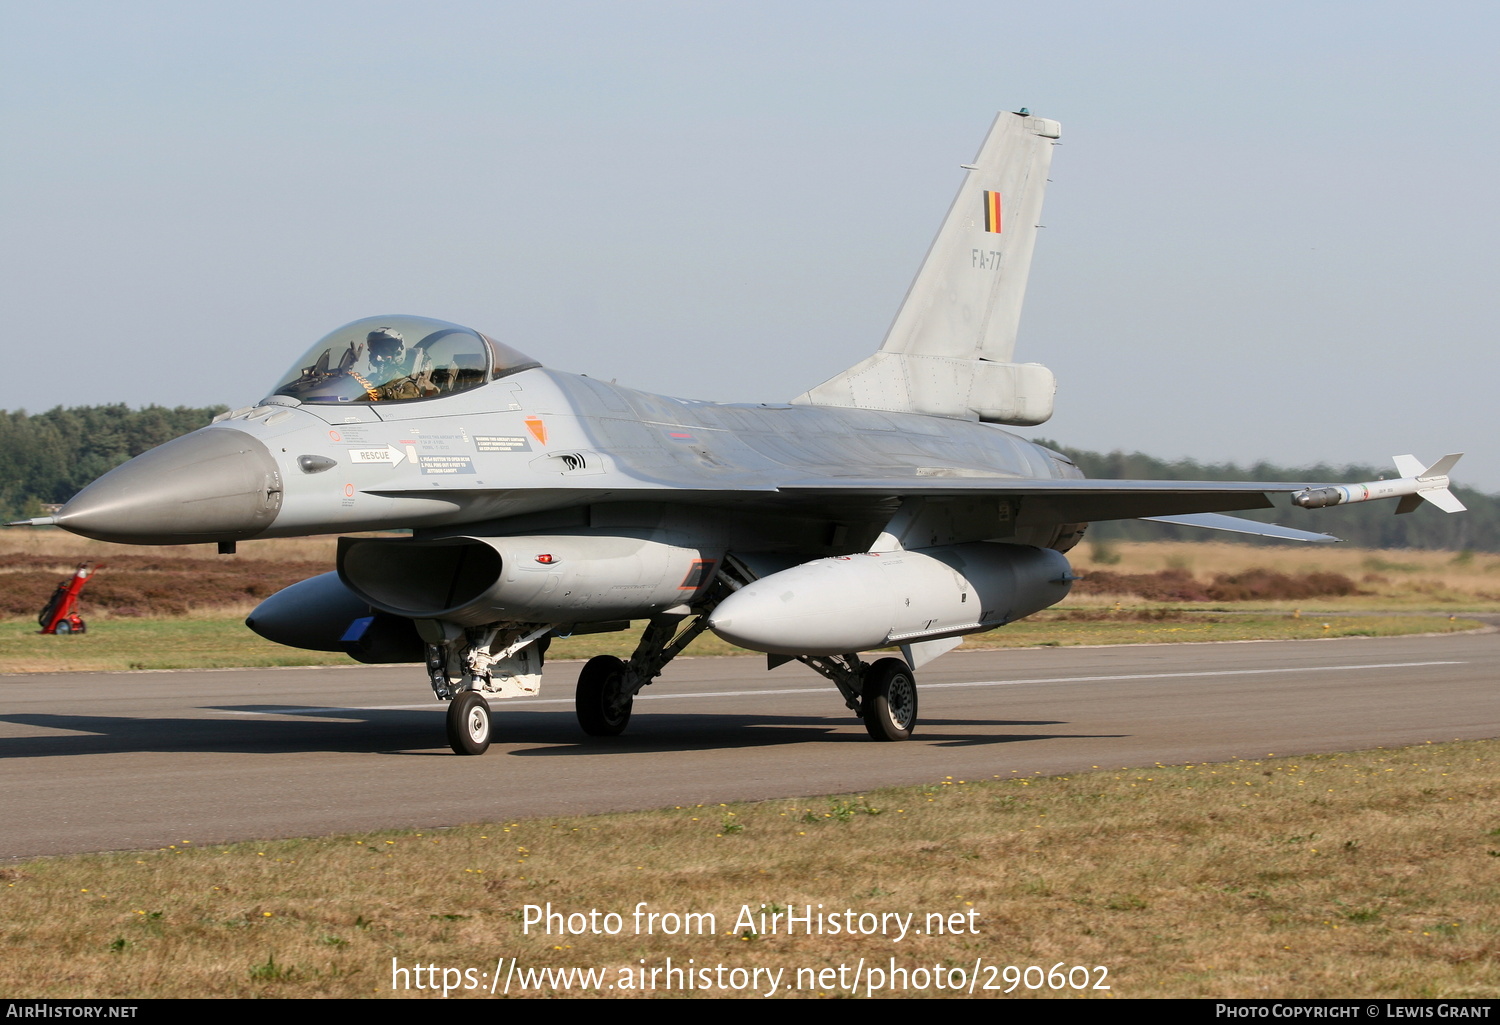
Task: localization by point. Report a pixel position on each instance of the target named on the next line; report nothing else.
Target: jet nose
(216, 484)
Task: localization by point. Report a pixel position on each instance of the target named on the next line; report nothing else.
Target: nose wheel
(469, 724)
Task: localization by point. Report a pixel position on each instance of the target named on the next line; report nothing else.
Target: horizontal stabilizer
(1239, 525)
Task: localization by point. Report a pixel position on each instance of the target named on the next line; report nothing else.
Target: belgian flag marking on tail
(992, 212)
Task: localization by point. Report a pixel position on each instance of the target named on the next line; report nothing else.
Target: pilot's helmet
(386, 344)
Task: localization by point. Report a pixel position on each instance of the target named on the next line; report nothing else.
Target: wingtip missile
(1416, 485)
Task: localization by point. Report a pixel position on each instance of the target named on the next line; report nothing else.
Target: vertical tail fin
(966, 300)
(949, 349)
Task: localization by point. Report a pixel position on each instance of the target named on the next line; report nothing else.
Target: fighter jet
(884, 508)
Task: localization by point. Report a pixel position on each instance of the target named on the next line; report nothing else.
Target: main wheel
(890, 700)
(63, 627)
(602, 701)
(469, 724)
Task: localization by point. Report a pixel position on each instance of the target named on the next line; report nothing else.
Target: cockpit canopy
(398, 359)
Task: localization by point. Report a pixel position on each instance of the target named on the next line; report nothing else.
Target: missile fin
(1408, 466)
(1441, 468)
(1443, 499)
(1408, 503)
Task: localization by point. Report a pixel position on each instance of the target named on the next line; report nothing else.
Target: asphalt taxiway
(130, 760)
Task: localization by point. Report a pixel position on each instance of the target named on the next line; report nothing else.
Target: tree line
(46, 458)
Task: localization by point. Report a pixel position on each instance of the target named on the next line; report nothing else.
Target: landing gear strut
(607, 686)
(884, 694)
(501, 660)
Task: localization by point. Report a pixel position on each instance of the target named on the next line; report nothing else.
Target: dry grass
(71, 549)
(1387, 579)
(1371, 875)
(151, 582)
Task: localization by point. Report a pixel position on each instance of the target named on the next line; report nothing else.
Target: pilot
(387, 351)
(388, 370)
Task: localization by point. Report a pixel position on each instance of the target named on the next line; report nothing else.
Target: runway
(112, 761)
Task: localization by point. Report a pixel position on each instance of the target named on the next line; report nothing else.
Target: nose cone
(217, 484)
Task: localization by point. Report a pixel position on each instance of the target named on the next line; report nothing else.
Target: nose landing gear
(469, 724)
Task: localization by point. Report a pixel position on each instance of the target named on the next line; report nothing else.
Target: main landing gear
(889, 702)
(607, 686)
(883, 694)
(603, 700)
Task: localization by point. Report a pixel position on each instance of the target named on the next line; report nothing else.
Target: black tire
(469, 724)
(82, 627)
(63, 627)
(603, 708)
(889, 707)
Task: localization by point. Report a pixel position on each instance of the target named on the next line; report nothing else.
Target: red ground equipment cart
(60, 616)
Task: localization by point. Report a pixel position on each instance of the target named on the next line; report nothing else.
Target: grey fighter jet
(886, 507)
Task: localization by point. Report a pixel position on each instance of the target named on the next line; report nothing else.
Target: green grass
(113, 644)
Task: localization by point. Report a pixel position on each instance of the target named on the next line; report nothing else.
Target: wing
(1085, 500)
(1069, 500)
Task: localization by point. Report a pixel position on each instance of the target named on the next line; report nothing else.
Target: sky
(1270, 234)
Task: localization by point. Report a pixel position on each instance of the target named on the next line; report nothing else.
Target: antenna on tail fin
(949, 349)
